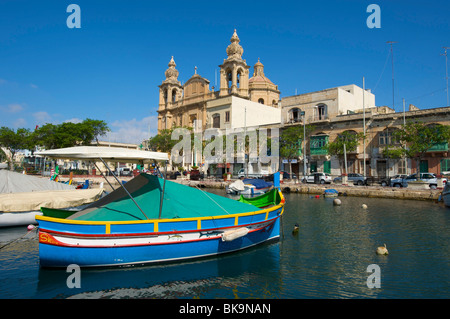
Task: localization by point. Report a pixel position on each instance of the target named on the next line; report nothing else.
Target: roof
(94, 153)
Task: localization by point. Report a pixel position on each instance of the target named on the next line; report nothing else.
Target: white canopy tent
(112, 154)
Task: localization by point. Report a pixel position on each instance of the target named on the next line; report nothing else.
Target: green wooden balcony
(317, 143)
(440, 147)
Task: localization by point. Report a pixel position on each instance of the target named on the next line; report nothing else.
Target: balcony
(440, 147)
(317, 143)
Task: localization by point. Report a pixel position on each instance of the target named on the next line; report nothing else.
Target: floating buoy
(295, 230)
(382, 250)
(364, 206)
(337, 202)
(317, 196)
(30, 227)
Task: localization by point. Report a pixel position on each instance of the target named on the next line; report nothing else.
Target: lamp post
(302, 113)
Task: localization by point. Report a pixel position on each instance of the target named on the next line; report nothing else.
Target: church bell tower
(234, 71)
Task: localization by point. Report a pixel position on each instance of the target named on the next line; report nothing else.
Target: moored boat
(446, 194)
(187, 223)
(330, 193)
(249, 186)
(22, 196)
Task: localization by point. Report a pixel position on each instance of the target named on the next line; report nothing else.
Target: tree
(13, 141)
(350, 139)
(69, 134)
(290, 142)
(96, 128)
(419, 138)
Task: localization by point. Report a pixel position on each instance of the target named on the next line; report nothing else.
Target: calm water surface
(328, 258)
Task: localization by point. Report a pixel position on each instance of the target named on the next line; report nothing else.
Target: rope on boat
(29, 231)
(212, 199)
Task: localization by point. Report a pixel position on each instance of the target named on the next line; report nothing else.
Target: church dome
(258, 74)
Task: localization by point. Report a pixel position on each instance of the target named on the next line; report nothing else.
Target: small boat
(22, 196)
(152, 220)
(330, 193)
(446, 194)
(249, 186)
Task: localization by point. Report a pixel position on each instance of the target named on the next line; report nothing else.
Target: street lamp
(302, 113)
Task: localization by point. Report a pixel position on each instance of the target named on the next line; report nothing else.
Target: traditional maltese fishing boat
(151, 220)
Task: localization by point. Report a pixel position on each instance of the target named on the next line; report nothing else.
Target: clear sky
(110, 68)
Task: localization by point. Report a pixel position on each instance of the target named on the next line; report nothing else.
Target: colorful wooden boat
(154, 220)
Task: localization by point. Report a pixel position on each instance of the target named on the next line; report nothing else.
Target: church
(195, 105)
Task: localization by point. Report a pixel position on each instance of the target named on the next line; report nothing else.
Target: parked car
(357, 179)
(286, 175)
(427, 177)
(243, 173)
(386, 181)
(196, 175)
(321, 178)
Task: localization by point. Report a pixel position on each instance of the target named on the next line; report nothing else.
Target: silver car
(357, 179)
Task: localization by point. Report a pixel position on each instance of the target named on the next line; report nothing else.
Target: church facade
(188, 104)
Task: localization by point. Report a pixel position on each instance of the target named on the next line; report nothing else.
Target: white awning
(112, 154)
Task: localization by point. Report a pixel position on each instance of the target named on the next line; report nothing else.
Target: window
(294, 115)
(174, 95)
(386, 137)
(445, 165)
(322, 111)
(401, 167)
(216, 120)
(261, 101)
(227, 116)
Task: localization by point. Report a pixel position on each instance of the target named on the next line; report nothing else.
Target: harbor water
(332, 256)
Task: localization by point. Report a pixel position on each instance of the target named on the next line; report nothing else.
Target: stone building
(380, 123)
(184, 105)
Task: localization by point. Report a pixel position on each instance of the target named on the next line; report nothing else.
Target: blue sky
(111, 67)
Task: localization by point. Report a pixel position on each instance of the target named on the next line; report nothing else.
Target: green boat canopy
(180, 201)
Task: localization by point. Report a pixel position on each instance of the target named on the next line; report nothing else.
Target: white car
(322, 178)
(426, 177)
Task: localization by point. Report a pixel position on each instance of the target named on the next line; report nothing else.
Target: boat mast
(163, 190)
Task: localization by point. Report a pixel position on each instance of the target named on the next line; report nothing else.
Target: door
(424, 166)
(313, 167)
(327, 167)
(381, 168)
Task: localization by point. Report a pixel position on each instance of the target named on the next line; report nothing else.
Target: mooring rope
(212, 199)
(7, 244)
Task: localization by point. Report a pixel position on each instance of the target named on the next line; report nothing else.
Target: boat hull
(12, 219)
(62, 256)
(446, 195)
(62, 243)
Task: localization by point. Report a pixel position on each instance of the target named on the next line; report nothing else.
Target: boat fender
(233, 234)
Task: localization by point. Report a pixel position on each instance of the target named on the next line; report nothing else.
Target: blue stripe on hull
(61, 256)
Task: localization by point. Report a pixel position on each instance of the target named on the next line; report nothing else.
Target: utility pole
(446, 70)
(364, 130)
(392, 59)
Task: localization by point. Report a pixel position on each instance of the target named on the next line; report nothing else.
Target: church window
(238, 79)
(216, 120)
(229, 80)
(174, 95)
(261, 101)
